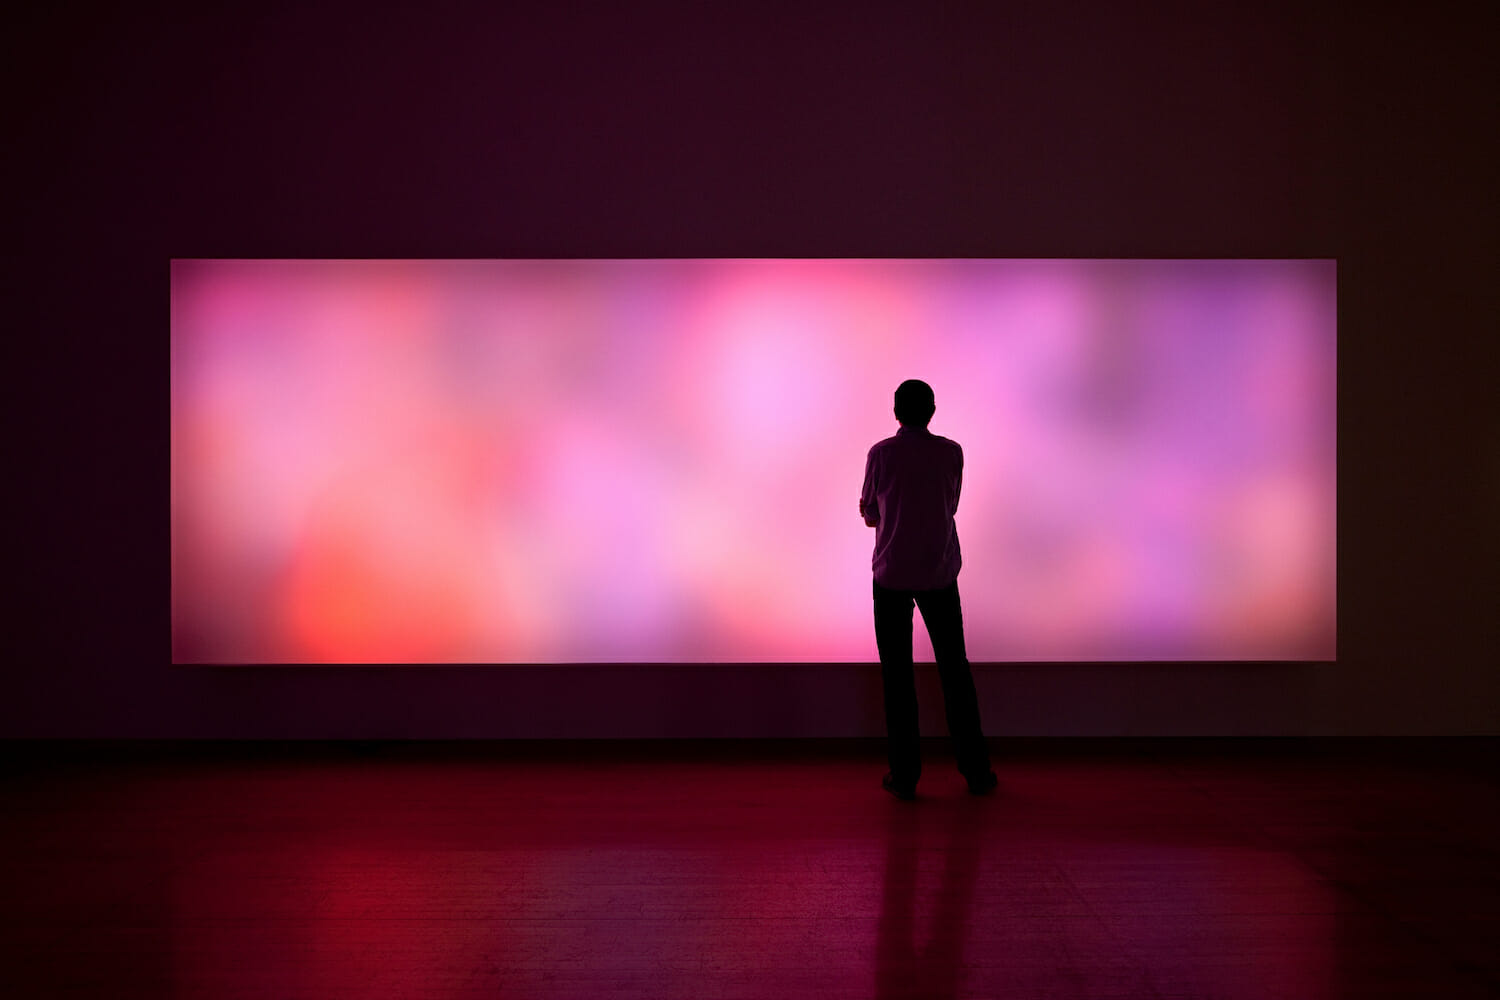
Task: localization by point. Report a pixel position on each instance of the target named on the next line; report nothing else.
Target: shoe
(902, 792)
(984, 785)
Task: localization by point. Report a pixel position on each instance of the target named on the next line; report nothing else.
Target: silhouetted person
(910, 495)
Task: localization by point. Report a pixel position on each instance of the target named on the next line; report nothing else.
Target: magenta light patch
(550, 461)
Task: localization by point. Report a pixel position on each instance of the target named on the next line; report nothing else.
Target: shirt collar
(903, 429)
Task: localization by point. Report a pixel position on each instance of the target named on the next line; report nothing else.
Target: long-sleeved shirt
(912, 482)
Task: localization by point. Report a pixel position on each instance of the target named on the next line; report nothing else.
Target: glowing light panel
(660, 460)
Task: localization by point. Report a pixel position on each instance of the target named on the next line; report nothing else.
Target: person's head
(915, 404)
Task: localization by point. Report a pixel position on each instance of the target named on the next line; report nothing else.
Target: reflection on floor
(1224, 869)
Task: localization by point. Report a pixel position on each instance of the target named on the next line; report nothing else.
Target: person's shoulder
(948, 443)
(883, 444)
(952, 447)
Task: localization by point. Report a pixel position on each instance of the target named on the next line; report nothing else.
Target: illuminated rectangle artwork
(600, 461)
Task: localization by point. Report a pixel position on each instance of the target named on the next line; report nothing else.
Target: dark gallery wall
(146, 132)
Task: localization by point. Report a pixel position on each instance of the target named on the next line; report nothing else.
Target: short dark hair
(915, 403)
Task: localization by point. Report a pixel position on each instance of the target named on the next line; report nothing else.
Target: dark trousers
(945, 624)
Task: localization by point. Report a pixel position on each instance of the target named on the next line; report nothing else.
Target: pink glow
(660, 460)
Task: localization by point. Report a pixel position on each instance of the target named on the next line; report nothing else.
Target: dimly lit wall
(807, 129)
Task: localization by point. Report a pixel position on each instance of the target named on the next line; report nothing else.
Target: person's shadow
(932, 859)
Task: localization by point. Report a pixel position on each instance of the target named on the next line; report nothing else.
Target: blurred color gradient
(552, 461)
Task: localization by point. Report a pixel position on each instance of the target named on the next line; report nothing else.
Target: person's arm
(958, 479)
(868, 508)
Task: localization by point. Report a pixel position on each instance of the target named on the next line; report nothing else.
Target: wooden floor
(1256, 870)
